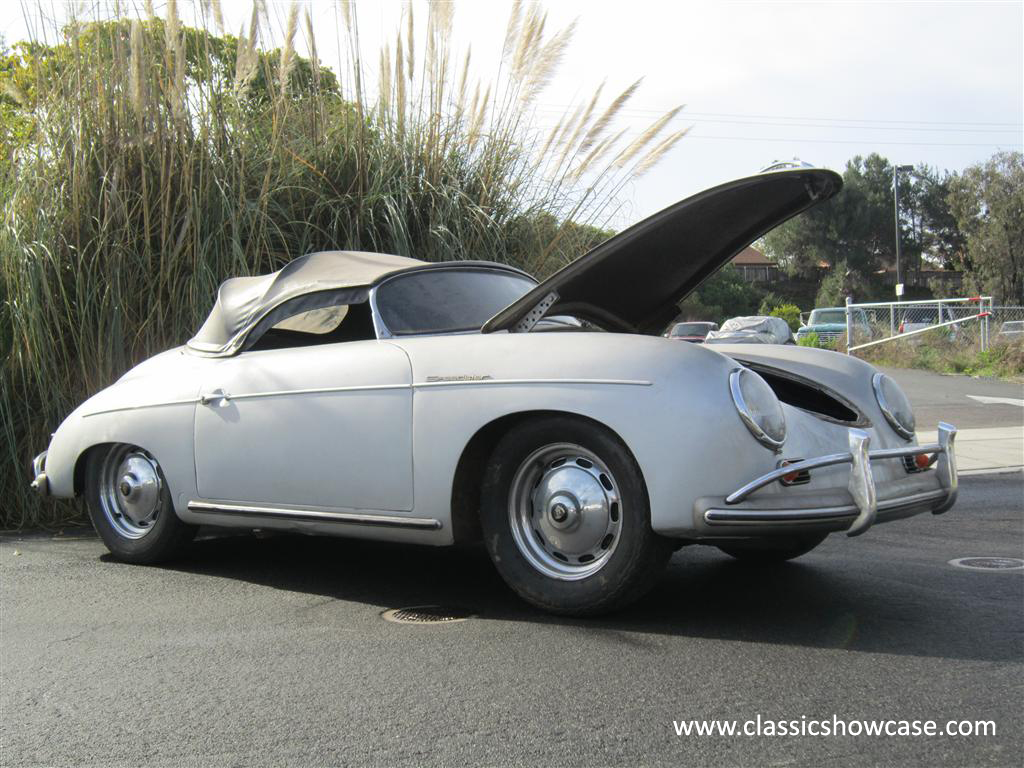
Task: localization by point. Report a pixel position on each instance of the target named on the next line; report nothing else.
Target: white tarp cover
(753, 329)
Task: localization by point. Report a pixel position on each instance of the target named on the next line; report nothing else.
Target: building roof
(751, 257)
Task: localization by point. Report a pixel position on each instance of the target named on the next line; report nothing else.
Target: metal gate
(967, 320)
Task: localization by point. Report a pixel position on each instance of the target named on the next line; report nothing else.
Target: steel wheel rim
(130, 491)
(565, 511)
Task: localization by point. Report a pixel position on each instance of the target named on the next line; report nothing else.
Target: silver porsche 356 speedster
(382, 397)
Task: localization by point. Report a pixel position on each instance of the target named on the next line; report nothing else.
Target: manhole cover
(989, 563)
(427, 614)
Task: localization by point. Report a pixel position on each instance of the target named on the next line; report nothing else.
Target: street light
(896, 211)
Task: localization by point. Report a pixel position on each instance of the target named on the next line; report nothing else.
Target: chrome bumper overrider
(39, 482)
(861, 486)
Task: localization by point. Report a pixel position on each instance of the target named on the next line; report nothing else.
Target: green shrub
(936, 351)
(788, 312)
(809, 340)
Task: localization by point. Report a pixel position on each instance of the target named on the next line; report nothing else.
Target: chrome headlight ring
(895, 406)
(758, 407)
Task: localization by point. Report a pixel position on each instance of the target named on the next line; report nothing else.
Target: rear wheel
(130, 505)
(772, 550)
(566, 519)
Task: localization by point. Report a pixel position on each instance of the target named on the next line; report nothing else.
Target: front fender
(152, 407)
(668, 402)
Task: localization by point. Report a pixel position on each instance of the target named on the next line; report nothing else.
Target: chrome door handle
(216, 396)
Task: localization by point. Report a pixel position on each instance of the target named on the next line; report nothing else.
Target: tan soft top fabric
(243, 301)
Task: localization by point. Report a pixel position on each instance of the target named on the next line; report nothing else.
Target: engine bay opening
(808, 396)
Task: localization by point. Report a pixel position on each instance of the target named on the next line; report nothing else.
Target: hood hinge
(536, 314)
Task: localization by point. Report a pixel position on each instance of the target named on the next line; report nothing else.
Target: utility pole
(896, 213)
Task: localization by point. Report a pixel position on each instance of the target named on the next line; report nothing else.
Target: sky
(940, 83)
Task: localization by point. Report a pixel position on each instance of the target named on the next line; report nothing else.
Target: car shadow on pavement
(819, 602)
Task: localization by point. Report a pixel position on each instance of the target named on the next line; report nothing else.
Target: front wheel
(771, 550)
(566, 519)
(130, 505)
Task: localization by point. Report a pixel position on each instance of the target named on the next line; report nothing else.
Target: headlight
(758, 407)
(894, 404)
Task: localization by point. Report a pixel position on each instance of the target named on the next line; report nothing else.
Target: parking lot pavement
(272, 651)
(985, 449)
(964, 401)
(988, 413)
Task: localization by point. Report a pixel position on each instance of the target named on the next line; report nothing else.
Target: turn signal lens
(922, 460)
(794, 478)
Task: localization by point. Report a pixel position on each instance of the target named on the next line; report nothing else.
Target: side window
(315, 320)
(299, 325)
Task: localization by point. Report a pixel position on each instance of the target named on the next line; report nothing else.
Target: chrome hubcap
(565, 512)
(130, 491)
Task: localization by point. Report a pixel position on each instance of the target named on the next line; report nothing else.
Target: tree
(854, 227)
(723, 295)
(933, 225)
(987, 201)
(840, 283)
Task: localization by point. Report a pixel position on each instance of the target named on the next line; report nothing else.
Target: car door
(319, 426)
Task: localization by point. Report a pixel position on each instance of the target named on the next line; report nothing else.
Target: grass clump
(143, 161)
(936, 351)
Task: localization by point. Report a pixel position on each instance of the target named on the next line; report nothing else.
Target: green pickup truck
(830, 325)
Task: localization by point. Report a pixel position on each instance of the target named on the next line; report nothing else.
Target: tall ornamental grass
(143, 162)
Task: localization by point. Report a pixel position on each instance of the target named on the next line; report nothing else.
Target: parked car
(382, 397)
(830, 324)
(753, 329)
(693, 332)
(919, 318)
(1011, 330)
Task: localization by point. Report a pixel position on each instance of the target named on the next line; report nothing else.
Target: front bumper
(39, 482)
(854, 510)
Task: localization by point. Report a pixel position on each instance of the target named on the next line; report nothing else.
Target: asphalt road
(272, 651)
(937, 397)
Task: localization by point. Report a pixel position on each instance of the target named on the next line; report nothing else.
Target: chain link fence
(956, 323)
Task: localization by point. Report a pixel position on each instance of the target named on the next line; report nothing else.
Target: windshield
(692, 329)
(447, 300)
(820, 316)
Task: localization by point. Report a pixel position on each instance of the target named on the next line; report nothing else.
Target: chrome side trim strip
(317, 391)
(316, 516)
(491, 382)
(372, 388)
(122, 408)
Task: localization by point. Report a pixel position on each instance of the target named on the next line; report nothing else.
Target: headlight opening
(895, 406)
(758, 407)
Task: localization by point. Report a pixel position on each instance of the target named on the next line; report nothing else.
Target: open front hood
(632, 282)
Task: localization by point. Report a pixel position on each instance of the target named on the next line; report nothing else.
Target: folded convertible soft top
(244, 301)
